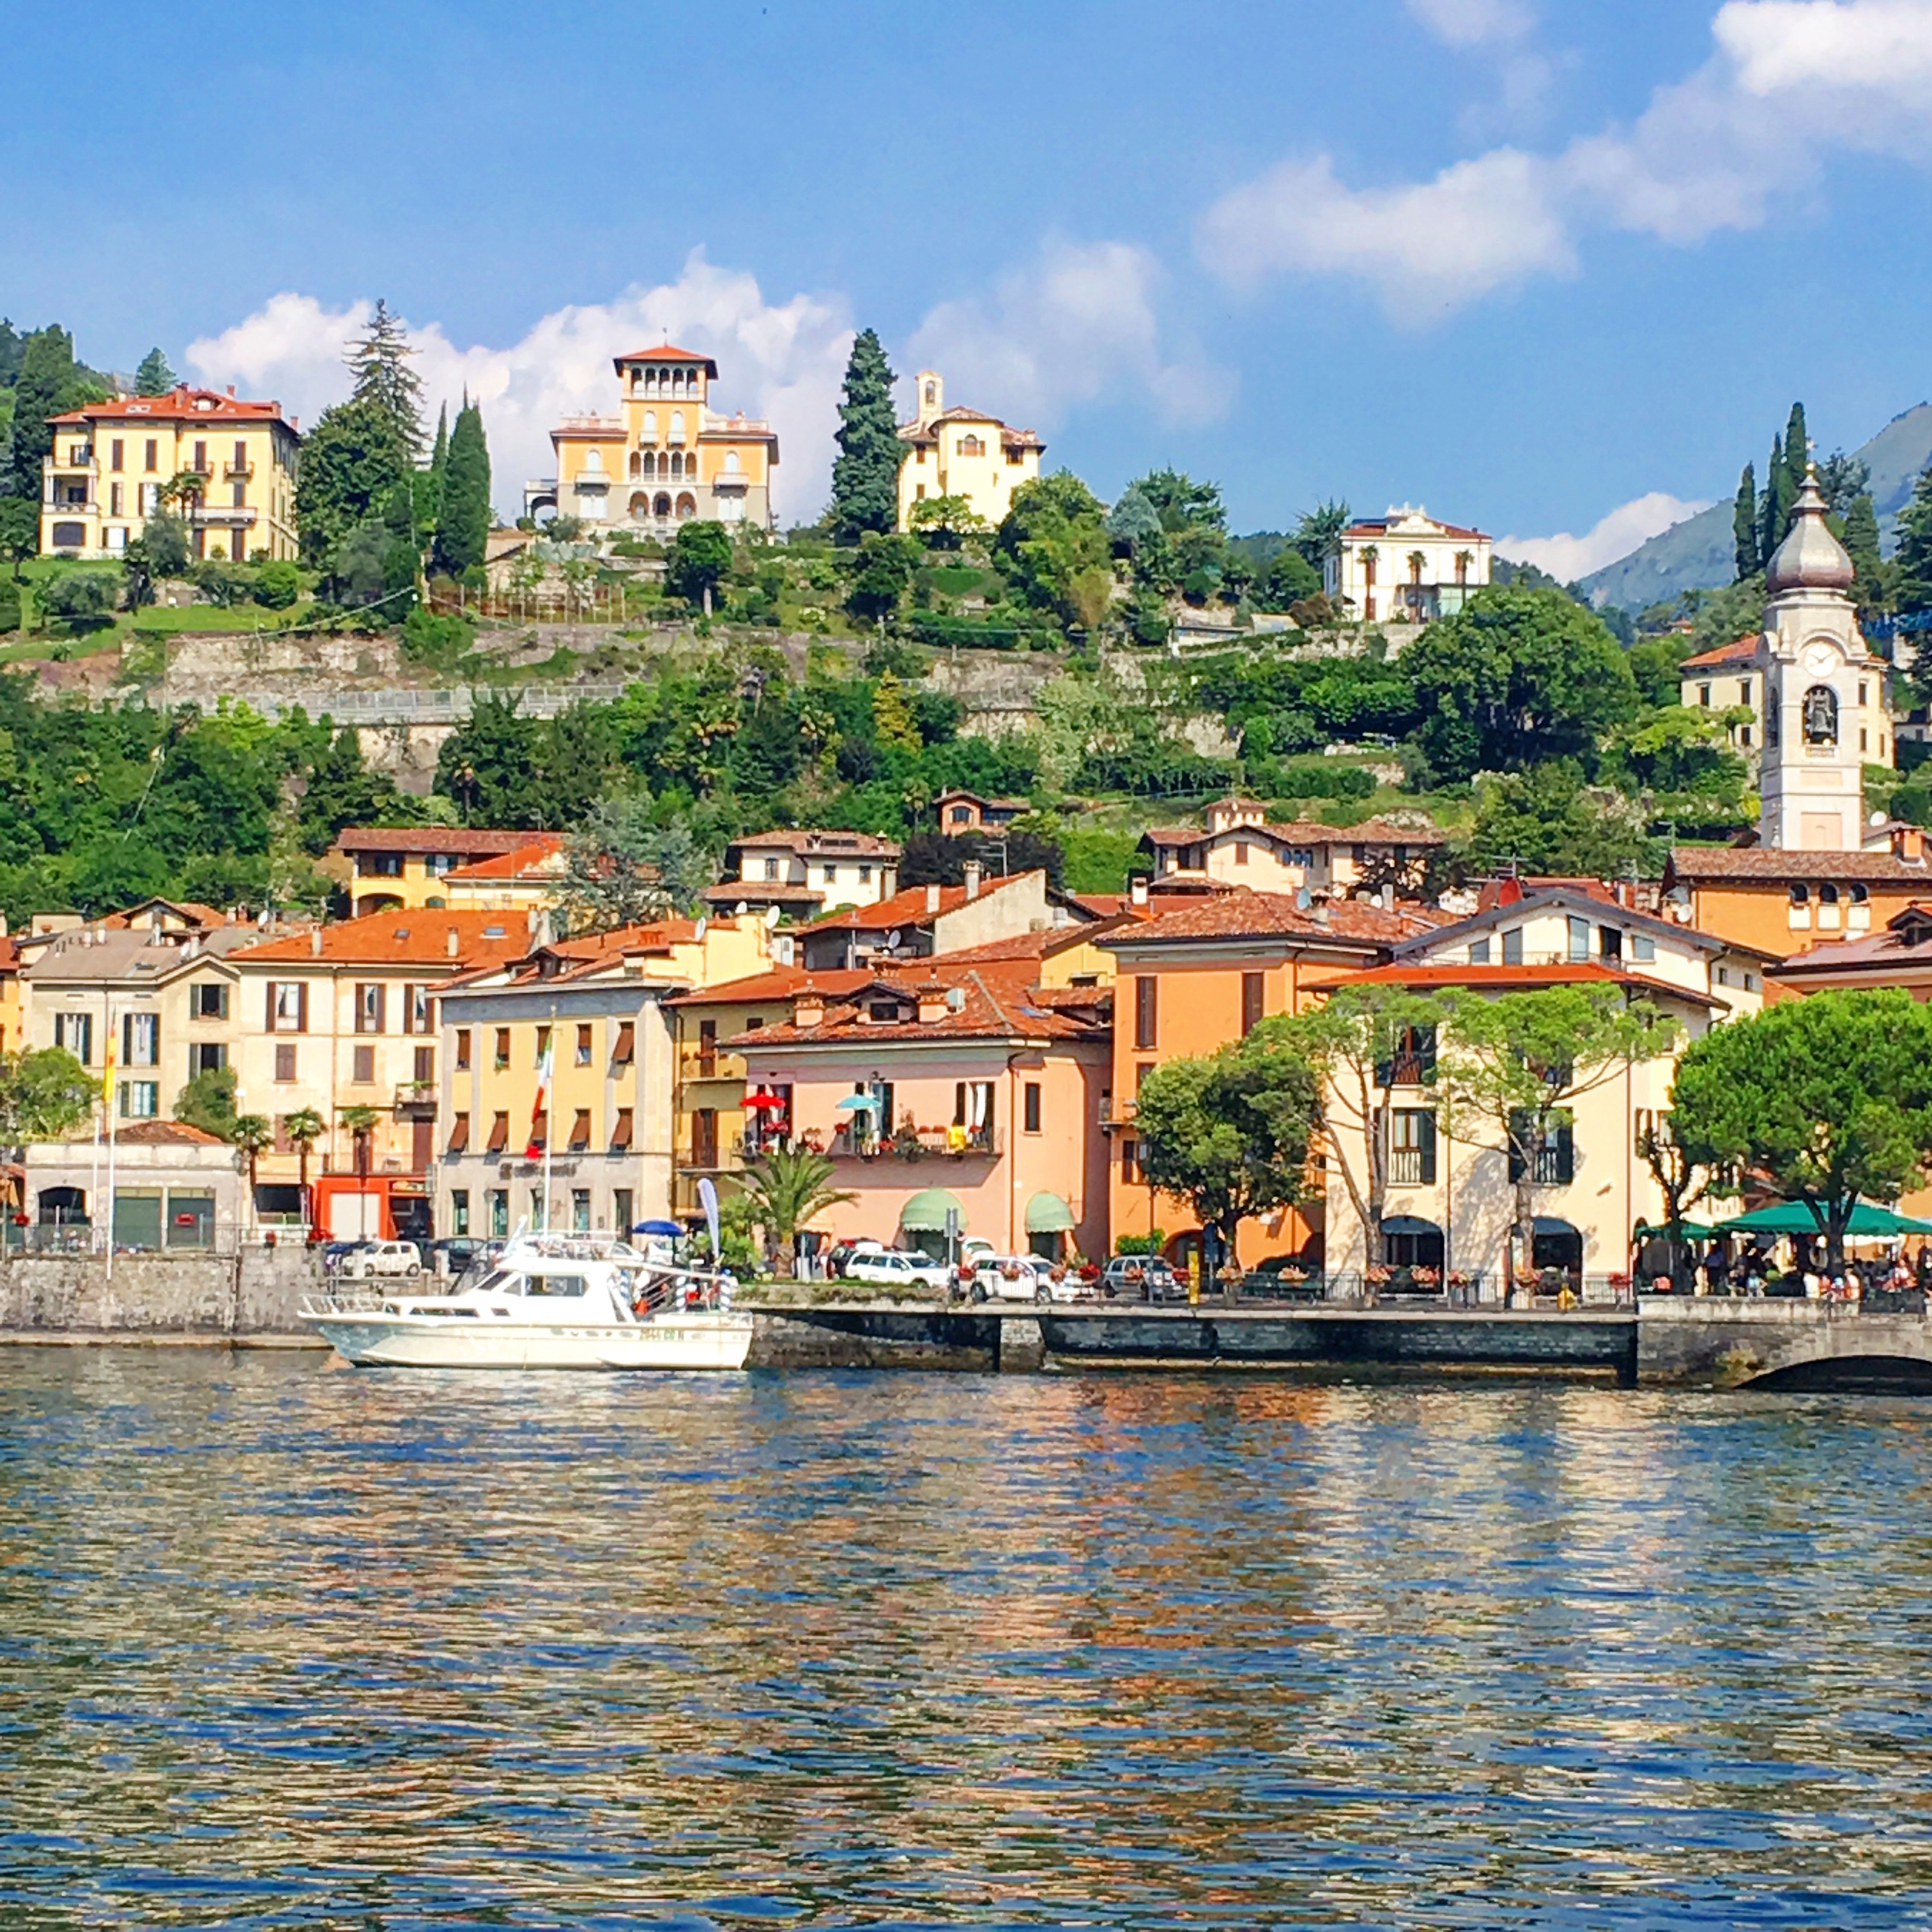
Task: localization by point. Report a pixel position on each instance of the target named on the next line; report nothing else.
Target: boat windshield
(555, 1284)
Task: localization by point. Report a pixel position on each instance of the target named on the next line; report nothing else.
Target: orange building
(1191, 980)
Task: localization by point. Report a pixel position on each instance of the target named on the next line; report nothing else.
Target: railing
(1115, 1112)
(713, 1066)
(1412, 1167)
(931, 1142)
(237, 469)
(413, 1095)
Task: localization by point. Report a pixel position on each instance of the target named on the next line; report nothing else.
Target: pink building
(967, 1087)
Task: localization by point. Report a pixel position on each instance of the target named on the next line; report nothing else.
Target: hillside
(1698, 554)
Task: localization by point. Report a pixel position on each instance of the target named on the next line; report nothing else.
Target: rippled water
(283, 1645)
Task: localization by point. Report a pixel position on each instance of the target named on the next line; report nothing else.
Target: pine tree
(153, 377)
(380, 364)
(1744, 525)
(1861, 542)
(1912, 562)
(46, 370)
(1797, 449)
(463, 517)
(866, 475)
(1773, 512)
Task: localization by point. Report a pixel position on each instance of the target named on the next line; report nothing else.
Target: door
(704, 1138)
(422, 1144)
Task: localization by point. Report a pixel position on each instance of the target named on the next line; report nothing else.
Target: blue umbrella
(657, 1227)
(858, 1103)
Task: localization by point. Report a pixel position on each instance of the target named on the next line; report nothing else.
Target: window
(580, 1211)
(206, 1059)
(972, 1113)
(1241, 851)
(381, 865)
(1556, 1158)
(1146, 1012)
(422, 1069)
(583, 1046)
(114, 450)
(459, 1134)
(1801, 894)
(140, 1100)
(285, 1063)
(1579, 938)
(539, 1139)
(207, 1003)
(459, 1211)
(462, 1049)
(416, 1015)
(620, 1137)
(1704, 696)
(1643, 948)
(1030, 1098)
(140, 1039)
(238, 499)
(626, 1049)
(1513, 946)
(371, 1008)
(1142, 1069)
(500, 1213)
(543, 1046)
(1130, 1161)
(117, 499)
(364, 1064)
(499, 1133)
(1413, 1061)
(1479, 952)
(704, 1137)
(865, 875)
(288, 1006)
(1412, 1147)
(621, 1209)
(200, 465)
(151, 460)
(1610, 941)
(1254, 1000)
(1863, 699)
(502, 1056)
(579, 1130)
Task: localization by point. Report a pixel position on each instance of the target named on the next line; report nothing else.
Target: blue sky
(1527, 263)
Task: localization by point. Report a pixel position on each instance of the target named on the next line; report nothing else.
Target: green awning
(1048, 1214)
(926, 1213)
(1691, 1231)
(1793, 1217)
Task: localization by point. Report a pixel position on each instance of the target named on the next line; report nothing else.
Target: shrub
(278, 585)
(83, 598)
(10, 604)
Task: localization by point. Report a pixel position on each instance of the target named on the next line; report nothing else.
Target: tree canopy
(866, 473)
(153, 377)
(44, 1095)
(463, 496)
(354, 461)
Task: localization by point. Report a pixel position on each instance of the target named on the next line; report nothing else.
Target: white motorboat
(548, 1301)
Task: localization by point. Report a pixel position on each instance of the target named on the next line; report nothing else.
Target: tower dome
(1810, 558)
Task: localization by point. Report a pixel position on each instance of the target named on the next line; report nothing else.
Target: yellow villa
(962, 452)
(665, 457)
(234, 463)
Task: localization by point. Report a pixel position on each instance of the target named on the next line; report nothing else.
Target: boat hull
(684, 1341)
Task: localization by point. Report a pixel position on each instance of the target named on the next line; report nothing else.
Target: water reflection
(283, 1646)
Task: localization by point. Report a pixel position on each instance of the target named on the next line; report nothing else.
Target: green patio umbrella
(1693, 1230)
(1869, 1222)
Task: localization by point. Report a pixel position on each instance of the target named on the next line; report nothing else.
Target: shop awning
(1793, 1217)
(926, 1213)
(1048, 1214)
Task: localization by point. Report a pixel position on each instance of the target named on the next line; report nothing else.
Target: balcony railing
(1116, 1111)
(235, 470)
(713, 1066)
(933, 1143)
(416, 1096)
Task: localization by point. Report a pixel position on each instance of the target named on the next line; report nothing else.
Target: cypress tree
(1797, 450)
(866, 475)
(463, 518)
(1861, 542)
(47, 369)
(428, 484)
(1781, 492)
(1913, 559)
(153, 377)
(1744, 525)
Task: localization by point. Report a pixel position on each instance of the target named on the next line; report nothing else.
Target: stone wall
(255, 1293)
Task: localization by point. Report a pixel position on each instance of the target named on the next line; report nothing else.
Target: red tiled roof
(401, 938)
(664, 352)
(1773, 866)
(563, 960)
(164, 1133)
(906, 908)
(182, 404)
(816, 842)
(1246, 915)
(998, 1004)
(1376, 527)
(1575, 972)
(1304, 831)
(1741, 651)
(482, 840)
(1895, 947)
(534, 857)
(922, 432)
(781, 982)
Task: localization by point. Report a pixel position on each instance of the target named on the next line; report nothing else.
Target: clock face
(1820, 657)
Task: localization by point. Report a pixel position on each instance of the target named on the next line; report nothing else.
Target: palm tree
(253, 1134)
(361, 1122)
(787, 1188)
(304, 1128)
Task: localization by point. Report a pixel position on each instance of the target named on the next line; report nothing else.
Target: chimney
(974, 872)
(231, 389)
(932, 898)
(1137, 889)
(530, 921)
(1908, 841)
(932, 1005)
(808, 1006)
(1318, 912)
(452, 944)
(315, 942)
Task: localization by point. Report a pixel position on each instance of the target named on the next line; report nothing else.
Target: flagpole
(107, 1108)
(549, 1098)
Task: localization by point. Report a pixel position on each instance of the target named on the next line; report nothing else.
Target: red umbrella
(766, 1102)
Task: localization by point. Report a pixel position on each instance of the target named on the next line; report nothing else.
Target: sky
(1555, 270)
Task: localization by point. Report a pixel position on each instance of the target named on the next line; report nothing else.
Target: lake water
(282, 1646)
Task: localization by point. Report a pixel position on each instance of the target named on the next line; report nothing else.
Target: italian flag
(534, 1150)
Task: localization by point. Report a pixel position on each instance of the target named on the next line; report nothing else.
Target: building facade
(231, 467)
(962, 452)
(1240, 847)
(801, 873)
(665, 457)
(1405, 568)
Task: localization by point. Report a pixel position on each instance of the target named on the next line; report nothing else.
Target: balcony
(1115, 1111)
(696, 1066)
(236, 472)
(416, 1100)
(933, 1143)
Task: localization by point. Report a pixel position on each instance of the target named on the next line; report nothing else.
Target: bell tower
(1817, 673)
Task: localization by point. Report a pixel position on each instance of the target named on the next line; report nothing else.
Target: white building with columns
(1405, 568)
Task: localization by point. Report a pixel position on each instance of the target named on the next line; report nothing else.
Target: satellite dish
(892, 941)
(697, 930)
(772, 915)
(1301, 898)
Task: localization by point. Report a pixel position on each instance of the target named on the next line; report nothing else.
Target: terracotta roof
(828, 842)
(402, 938)
(1246, 915)
(1376, 527)
(162, 1133)
(1772, 865)
(998, 1003)
(959, 792)
(906, 908)
(1171, 896)
(781, 982)
(1566, 895)
(1303, 832)
(1903, 945)
(132, 953)
(181, 404)
(919, 432)
(538, 856)
(561, 961)
(482, 840)
(664, 352)
(1575, 972)
(1740, 651)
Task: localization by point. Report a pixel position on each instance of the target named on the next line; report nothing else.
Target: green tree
(1744, 526)
(1546, 820)
(1180, 503)
(1775, 505)
(304, 1128)
(490, 766)
(945, 522)
(353, 462)
(1054, 549)
(788, 1188)
(83, 598)
(1860, 542)
(277, 584)
(170, 551)
(1913, 560)
(1797, 452)
(622, 867)
(1289, 579)
(699, 560)
(1133, 522)
(379, 361)
(1317, 530)
(1358, 1042)
(19, 529)
(866, 473)
(1515, 677)
(429, 482)
(463, 517)
(892, 722)
(45, 1095)
(1822, 1100)
(884, 565)
(1507, 1067)
(253, 1135)
(341, 790)
(1682, 1183)
(1229, 1134)
(207, 1101)
(153, 377)
(46, 370)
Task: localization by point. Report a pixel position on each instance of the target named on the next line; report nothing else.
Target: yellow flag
(107, 1075)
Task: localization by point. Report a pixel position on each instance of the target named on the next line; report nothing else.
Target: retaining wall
(254, 1294)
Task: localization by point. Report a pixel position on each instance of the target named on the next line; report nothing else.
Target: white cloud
(1481, 225)
(1076, 322)
(1788, 82)
(1567, 557)
(782, 361)
(1469, 23)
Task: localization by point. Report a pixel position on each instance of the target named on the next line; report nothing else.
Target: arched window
(637, 465)
(731, 465)
(1828, 895)
(661, 508)
(650, 464)
(1820, 714)
(971, 446)
(1801, 894)
(650, 425)
(640, 504)
(1860, 896)
(687, 506)
(677, 463)
(677, 425)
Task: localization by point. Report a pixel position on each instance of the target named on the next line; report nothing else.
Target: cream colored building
(962, 452)
(1451, 1195)
(1239, 846)
(665, 457)
(1405, 568)
(385, 868)
(112, 461)
(804, 873)
(1732, 678)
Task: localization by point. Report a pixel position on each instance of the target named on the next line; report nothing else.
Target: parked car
(1141, 1278)
(1023, 1278)
(454, 1254)
(897, 1267)
(369, 1261)
(838, 1257)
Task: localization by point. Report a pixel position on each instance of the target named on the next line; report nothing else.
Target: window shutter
(269, 1023)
